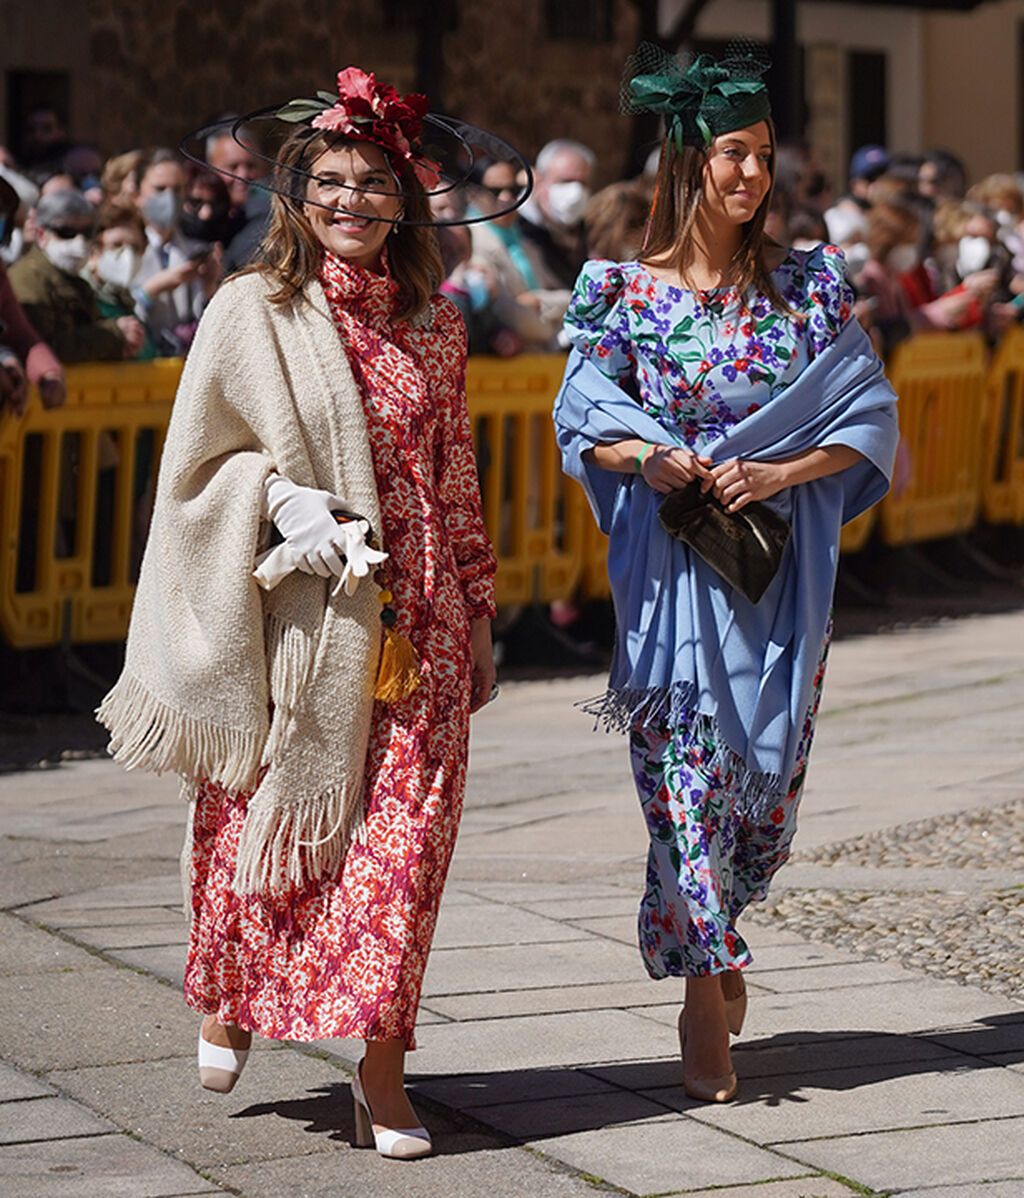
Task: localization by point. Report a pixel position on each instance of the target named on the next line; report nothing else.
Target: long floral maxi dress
(345, 956)
(698, 360)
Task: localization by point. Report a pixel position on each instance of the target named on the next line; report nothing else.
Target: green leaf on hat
(301, 110)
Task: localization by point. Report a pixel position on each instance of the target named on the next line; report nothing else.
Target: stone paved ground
(884, 1050)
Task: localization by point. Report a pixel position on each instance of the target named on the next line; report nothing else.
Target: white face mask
(568, 201)
(972, 255)
(68, 254)
(119, 266)
(902, 258)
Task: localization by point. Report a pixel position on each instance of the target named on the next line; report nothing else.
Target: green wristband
(641, 455)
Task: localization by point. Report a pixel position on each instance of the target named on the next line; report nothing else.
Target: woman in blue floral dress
(709, 328)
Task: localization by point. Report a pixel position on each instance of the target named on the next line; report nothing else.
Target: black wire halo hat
(446, 156)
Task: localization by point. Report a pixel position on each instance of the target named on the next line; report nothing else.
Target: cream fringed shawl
(209, 653)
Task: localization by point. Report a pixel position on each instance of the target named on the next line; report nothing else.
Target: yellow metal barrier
(73, 489)
(538, 519)
(1003, 486)
(940, 381)
(76, 483)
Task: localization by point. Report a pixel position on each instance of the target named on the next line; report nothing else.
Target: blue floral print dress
(702, 361)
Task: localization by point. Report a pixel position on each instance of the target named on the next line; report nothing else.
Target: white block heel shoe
(219, 1068)
(402, 1144)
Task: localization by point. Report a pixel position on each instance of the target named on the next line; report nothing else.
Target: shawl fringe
(622, 709)
(285, 846)
(148, 734)
(290, 654)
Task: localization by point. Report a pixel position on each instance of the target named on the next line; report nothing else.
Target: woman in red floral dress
(344, 955)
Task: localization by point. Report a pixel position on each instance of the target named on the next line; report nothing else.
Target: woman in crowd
(324, 719)
(24, 356)
(723, 370)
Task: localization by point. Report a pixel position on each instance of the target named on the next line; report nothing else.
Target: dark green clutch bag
(744, 547)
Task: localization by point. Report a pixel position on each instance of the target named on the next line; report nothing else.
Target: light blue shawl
(690, 650)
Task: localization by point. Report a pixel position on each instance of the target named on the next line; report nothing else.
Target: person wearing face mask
(59, 303)
(551, 220)
(12, 233)
(534, 313)
(113, 265)
(177, 277)
(24, 356)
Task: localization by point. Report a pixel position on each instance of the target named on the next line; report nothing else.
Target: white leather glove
(338, 549)
(303, 517)
(359, 557)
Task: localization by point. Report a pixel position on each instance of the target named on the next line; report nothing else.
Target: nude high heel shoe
(705, 1089)
(735, 1007)
(219, 1068)
(403, 1144)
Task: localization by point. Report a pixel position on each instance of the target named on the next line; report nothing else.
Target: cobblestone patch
(975, 937)
(990, 838)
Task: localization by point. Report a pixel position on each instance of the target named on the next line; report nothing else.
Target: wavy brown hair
(291, 252)
(678, 193)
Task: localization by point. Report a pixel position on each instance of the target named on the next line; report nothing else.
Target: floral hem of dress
(247, 1024)
(621, 709)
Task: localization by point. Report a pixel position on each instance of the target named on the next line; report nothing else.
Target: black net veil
(683, 87)
(460, 150)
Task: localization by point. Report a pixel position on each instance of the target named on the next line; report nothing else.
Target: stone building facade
(143, 73)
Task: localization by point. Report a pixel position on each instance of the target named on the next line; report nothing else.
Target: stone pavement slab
(48, 1119)
(670, 1154)
(832, 1102)
(96, 1167)
(467, 1165)
(800, 1187)
(15, 1084)
(957, 1154)
(539, 1025)
(31, 950)
(286, 1104)
(90, 1017)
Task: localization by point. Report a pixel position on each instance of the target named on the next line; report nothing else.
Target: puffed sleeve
(830, 297)
(458, 483)
(597, 323)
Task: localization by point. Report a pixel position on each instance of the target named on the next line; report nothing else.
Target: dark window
(579, 20)
(398, 16)
(27, 90)
(867, 101)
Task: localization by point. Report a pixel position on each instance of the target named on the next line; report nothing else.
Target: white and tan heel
(219, 1068)
(402, 1144)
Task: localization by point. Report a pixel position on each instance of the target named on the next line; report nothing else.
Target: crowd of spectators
(105, 259)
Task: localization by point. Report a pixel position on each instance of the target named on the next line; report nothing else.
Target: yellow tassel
(399, 672)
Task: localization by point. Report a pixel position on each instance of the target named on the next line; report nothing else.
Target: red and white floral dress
(345, 956)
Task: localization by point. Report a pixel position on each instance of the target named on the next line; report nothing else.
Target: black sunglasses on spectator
(507, 188)
(66, 232)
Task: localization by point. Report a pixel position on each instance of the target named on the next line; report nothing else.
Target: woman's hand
(666, 468)
(484, 672)
(737, 482)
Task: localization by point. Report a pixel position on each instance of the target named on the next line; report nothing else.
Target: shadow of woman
(464, 1111)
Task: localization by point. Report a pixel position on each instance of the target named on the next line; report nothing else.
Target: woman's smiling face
(737, 175)
(356, 183)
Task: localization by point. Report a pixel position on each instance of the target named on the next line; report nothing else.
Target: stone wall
(147, 71)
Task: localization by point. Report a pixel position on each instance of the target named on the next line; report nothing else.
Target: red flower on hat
(378, 113)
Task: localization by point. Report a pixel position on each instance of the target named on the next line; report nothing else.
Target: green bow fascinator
(699, 98)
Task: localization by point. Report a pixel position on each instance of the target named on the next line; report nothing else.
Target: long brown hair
(291, 252)
(678, 192)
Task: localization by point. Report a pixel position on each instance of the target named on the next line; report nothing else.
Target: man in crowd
(552, 219)
(56, 301)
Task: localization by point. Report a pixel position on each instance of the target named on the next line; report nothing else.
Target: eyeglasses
(505, 189)
(67, 232)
